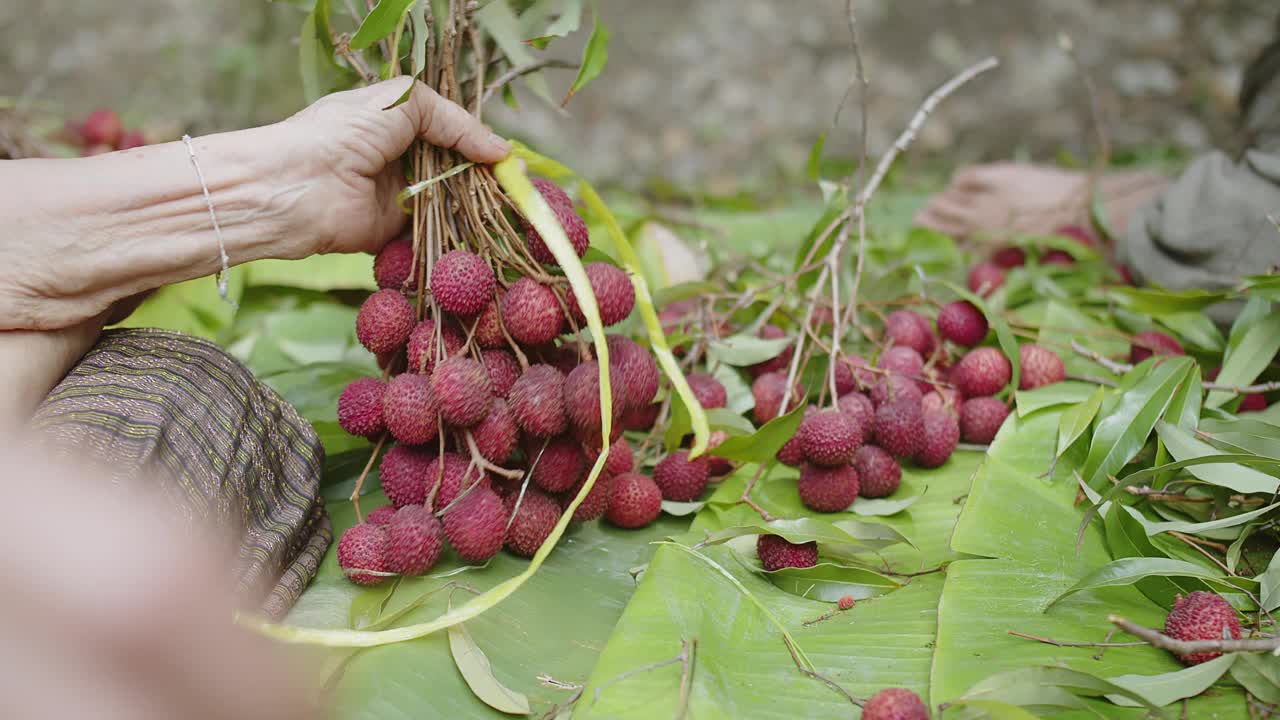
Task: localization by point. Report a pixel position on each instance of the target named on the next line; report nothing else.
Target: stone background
(721, 93)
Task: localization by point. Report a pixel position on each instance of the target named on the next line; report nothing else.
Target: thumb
(444, 123)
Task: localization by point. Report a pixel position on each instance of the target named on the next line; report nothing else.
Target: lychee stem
(1191, 647)
(355, 492)
(484, 464)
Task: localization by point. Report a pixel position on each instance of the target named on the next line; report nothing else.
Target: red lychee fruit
(637, 366)
(948, 399)
(845, 602)
(679, 478)
(615, 295)
(791, 453)
(582, 395)
(415, 538)
(860, 408)
(572, 223)
(463, 390)
(768, 390)
(899, 427)
(531, 312)
(825, 489)
(422, 345)
(708, 390)
(905, 328)
(102, 127)
(594, 504)
(488, 329)
(384, 322)
(537, 401)
(405, 473)
(895, 704)
(131, 139)
(1253, 402)
(1009, 257)
(453, 473)
(634, 501)
(497, 434)
(462, 283)
(1080, 234)
(879, 475)
(1126, 275)
(985, 278)
(779, 362)
(1153, 342)
(532, 522)
(393, 263)
(962, 323)
(503, 370)
(776, 553)
(902, 360)
(941, 435)
(381, 516)
(621, 459)
(1201, 616)
(410, 409)
(1040, 366)
(717, 466)
(363, 547)
(641, 418)
(852, 374)
(1057, 257)
(830, 438)
(983, 371)
(477, 526)
(981, 418)
(559, 466)
(896, 388)
(360, 408)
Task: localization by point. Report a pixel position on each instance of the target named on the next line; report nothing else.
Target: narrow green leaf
(1246, 361)
(1195, 528)
(813, 168)
(1246, 435)
(1196, 328)
(729, 421)
(404, 195)
(1026, 687)
(829, 582)
(380, 23)
(321, 73)
(1151, 301)
(500, 21)
(1161, 690)
(594, 57)
(836, 205)
(742, 349)
(568, 21)
(681, 509)
(418, 21)
(474, 667)
(1184, 409)
(994, 709)
(1183, 446)
(764, 444)
(1259, 674)
(802, 530)
(879, 507)
(1127, 571)
(1269, 584)
(683, 291)
(1061, 393)
(1076, 420)
(1123, 430)
(369, 605)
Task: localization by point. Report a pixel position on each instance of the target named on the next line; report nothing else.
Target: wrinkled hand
(350, 149)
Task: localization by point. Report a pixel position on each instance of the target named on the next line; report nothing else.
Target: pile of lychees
(493, 404)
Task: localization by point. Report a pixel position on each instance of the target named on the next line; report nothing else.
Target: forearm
(34, 362)
(85, 233)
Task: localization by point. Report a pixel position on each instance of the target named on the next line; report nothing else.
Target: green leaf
(1167, 688)
(1196, 528)
(1026, 687)
(369, 605)
(683, 291)
(1184, 409)
(1183, 446)
(1195, 327)
(1269, 584)
(1259, 674)
(594, 57)
(1077, 419)
(1061, 393)
(729, 421)
(813, 168)
(321, 73)
(568, 20)
(474, 666)
(742, 350)
(421, 33)
(994, 709)
(380, 23)
(500, 21)
(834, 208)
(1153, 301)
(681, 509)
(1244, 435)
(1124, 429)
(1246, 360)
(764, 444)
(829, 582)
(875, 507)
(1127, 571)
(318, 272)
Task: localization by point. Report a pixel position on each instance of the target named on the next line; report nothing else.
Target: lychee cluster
(102, 131)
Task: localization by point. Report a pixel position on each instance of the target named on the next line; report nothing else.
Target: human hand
(348, 148)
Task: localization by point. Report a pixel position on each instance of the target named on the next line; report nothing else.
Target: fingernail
(499, 143)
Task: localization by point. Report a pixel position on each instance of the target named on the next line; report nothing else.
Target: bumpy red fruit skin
(410, 409)
(896, 388)
(679, 478)
(637, 366)
(532, 523)
(709, 391)
(1009, 257)
(845, 602)
(488, 329)
(454, 473)
(903, 361)
(422, 345)
(962, 323)
(780, 361)
(415, 538)
(537, 400)
(985, 278)
(879, 475)
(621, 459)
(827, 489)
(948, 399)
(899, 428)
(384, 322)
(1201, 616)
(560, 466)
(594, 504)
(905, 328)
(895, 704)
(503, 370)
(477, 526)
(634, 501)
(1040, 366)
(363, 547)
(717, 466)
(792, 452)
(981, 418)
(615, 295)
(981, 372)
(405, 473)
(860, 369)
(574, 227)
(381, 516)
(462, 283)
(941, 435)
(776, 553)
(1253, 402)
(860, 408)
(497, 434)
(102, 127)
(360, 408)
(393, 263)
(830, 438)
(1150, 342)
(582, 395)
(768, 390)
(641, 418)
(463, 390)
(531, 312)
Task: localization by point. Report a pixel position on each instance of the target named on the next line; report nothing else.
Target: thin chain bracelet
(221, 275)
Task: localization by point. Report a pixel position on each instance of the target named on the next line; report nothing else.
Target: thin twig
(355, 493)
(516, 72)
(1064, 643)
(1191, 647)
(688, 654)
(1118, 368)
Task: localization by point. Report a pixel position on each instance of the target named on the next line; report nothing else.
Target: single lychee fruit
(363, 547)
(717, 466)
(572, 223)
(948, 399)
(450, 475)
(393, 263)
(981, 372)
(582, 395)
(615, 295)
(411, 410)
(405, 473)
(1057, 257)
(415, 539)
(422, 349)
(477, 525)
(852, 374)
(594, 504)
(131, 139)
(637, 366)
(1153, 342)
(384, 322)
(899, 427)
(559, 466)
(1253, 402)
(985, 278)
(830, 438)
(462, 283)
(641, 418)
(634, 501)
(896, 388)
(981, 418)
(1079, 233)
(895, 704)
(879, 475)
(503, 370)
(679, 478)
(532, 522)
(941, 435)
(778, 362)
(905, 328)
(360, 408)
(1126, 275)
(621, 459)
(708, 390)
(1201, 616)
(488, 328)
(463, 390)
(497, 434)
(381, 516)
(845, 602)
(1009, 257)
(564, 357)
(537, 401)
(828, 489)
(768, 390)
(1040, 366)
(102, 127)
(792, 452)
(962, 323)
(531, 312)
(860, 408)
(903, 361)
(776, 553)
